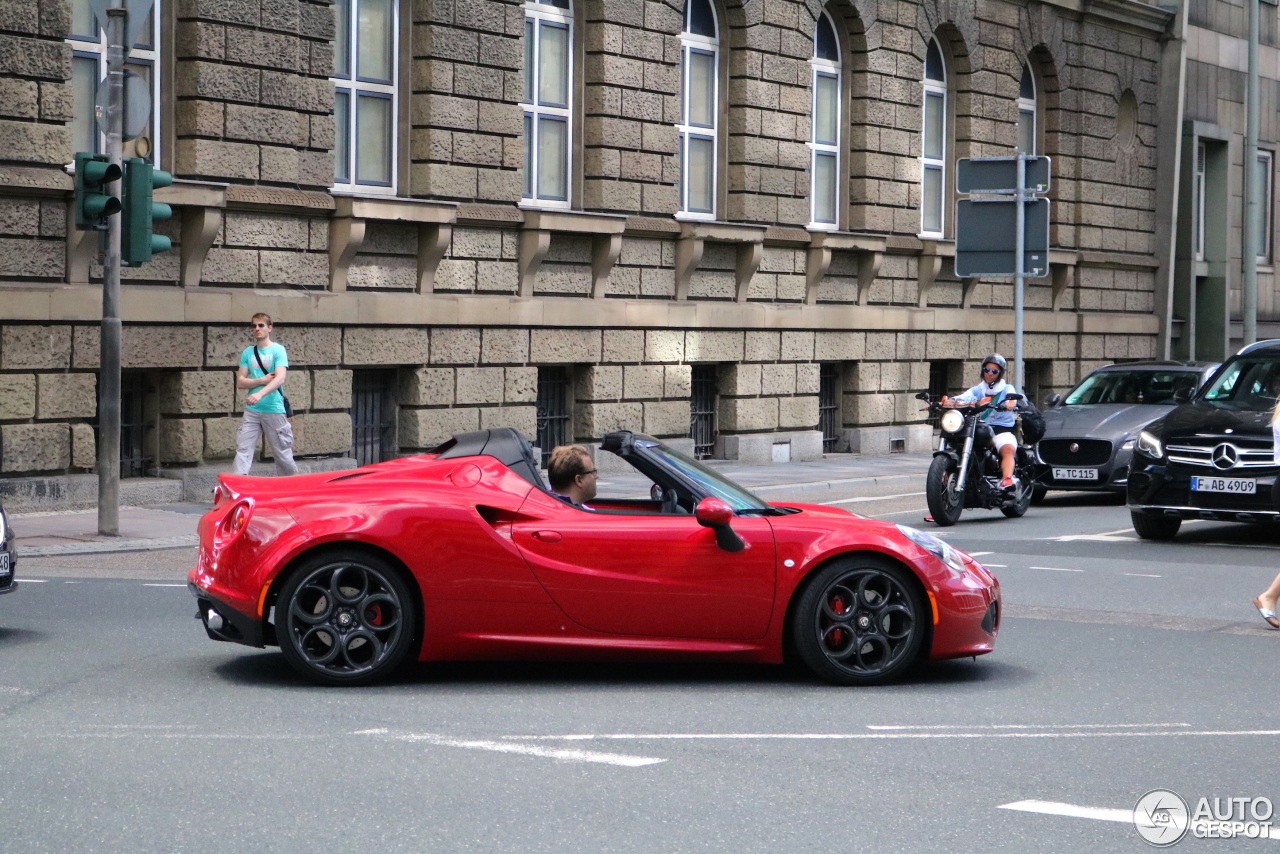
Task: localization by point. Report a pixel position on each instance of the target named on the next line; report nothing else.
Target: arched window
(699, 110)
(1027, 112)
(548, 93)
(365, 76)
(825, 143)
(933, 155)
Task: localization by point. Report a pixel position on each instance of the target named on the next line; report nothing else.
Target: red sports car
(463, 553)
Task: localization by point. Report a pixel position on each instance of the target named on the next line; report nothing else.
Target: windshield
(1132, 387)
(1250, 383)
(709, 481)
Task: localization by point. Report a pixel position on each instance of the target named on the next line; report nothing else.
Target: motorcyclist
(1003, 423)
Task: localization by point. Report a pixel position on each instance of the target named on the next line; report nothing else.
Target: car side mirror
(715, 514)
(1181, 395)
(1052, 401)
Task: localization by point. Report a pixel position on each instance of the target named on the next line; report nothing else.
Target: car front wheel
(1155, 527)
(860, 621)
(345, 618)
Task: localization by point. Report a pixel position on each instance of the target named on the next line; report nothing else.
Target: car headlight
(935, 547)
(952, 421)
(1150, 445)
(4, 527)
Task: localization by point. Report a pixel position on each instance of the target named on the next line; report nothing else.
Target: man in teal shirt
(263, 368)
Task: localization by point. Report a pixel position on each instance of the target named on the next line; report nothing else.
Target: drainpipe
(1249, 282)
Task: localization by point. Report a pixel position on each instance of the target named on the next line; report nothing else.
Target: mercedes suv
(1213, 457)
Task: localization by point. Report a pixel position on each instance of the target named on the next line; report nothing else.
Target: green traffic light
(93, 204)
(138, 242)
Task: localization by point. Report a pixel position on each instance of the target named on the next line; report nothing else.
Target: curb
(134, 545)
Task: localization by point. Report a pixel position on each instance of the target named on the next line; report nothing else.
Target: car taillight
(218, 495)
(236, 520)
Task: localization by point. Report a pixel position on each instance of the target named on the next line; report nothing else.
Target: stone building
(726, 223)
(1203, 310)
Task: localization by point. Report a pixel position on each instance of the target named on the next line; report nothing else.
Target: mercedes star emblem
(1074, 447)
(1225, 456)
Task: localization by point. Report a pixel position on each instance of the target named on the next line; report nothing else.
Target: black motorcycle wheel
(1017, 508)
(945, 502)
(860, 621)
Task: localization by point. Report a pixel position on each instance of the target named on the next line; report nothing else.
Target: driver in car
(993, 389)
(572, 475)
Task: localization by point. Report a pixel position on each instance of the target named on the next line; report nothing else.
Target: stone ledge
(80, 492)
(759, 449)
(879, 441)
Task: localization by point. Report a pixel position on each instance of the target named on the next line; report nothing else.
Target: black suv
(1213, 457)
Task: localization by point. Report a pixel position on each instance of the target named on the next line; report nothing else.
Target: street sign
(986, 243)
(137, 104)
(138, 11)
(1000, 175)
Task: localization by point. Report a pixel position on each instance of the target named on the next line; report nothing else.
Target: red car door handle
(547, 536)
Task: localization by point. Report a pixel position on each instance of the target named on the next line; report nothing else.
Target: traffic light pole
(109, 370)
(1019, 280)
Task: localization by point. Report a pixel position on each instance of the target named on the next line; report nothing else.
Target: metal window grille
(553, 409)
(938, 372)
(373, 416)
(702, 410)
(829, 406)
(133, 392)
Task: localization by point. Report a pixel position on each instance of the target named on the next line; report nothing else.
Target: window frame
(1266, 176)
(833, 70)
(1198, 186)
(1029, 106)
(686, 130)
(934, 88)
(85, 47)
(355, 87)
(538, 14)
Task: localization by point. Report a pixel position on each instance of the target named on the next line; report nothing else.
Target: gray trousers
(279, 435)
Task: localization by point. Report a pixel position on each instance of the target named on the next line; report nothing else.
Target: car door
(648, 574)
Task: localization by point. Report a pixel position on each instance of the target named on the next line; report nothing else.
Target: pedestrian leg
(246, 442)
(279, 435)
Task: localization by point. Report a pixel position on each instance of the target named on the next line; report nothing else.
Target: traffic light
(138, 242)
(93, 204)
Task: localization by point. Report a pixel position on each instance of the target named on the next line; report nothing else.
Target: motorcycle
(965, 472)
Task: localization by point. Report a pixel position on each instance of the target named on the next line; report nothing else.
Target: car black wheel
(345, 618)
(946, 503)
(860, 621)
(1155, 527)
(1038, 493)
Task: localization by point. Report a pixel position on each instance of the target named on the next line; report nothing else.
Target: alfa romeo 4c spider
(464, 554)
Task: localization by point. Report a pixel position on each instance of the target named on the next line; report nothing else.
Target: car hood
(1214, 420)
(1101, 420)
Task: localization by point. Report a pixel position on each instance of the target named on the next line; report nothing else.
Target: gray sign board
(986, 241)
(1000, 175)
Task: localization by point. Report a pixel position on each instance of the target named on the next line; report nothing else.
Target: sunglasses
(991, 370)
(258, 325)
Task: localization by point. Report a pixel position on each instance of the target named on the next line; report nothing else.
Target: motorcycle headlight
(1150, 445)
(952, 421)
(935, 547)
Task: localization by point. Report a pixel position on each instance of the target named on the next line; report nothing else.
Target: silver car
(1089, 434)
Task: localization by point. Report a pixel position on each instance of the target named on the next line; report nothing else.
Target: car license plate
(4, 563)
(1075, 474)
(1238, 485)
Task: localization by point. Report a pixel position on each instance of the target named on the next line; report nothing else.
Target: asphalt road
(1123, 666)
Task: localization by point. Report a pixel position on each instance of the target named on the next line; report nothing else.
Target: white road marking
(1024, 726)
(522, 749)
(871, 498)
(997, 565)
(1070, 810)
(1055, 569)
(885, 736)
(32, 580)
(164, 585)
(980, 554)
(13, 689)
(1141, 575)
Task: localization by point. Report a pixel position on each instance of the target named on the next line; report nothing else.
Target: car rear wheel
(860, 621)
(1155, 527)
(345, 618)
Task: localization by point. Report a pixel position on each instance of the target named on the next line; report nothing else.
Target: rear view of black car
(7, 560)
(1215, 457)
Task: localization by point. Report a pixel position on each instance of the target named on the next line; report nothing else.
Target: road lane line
(1141, 575)
(870, 498)
(886, 736)
(980, 554)
(1070, 810)
(164, 585)
(997, 565)
(1022, 726)
(1055, 569)
(566, 755)
(32, 580)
